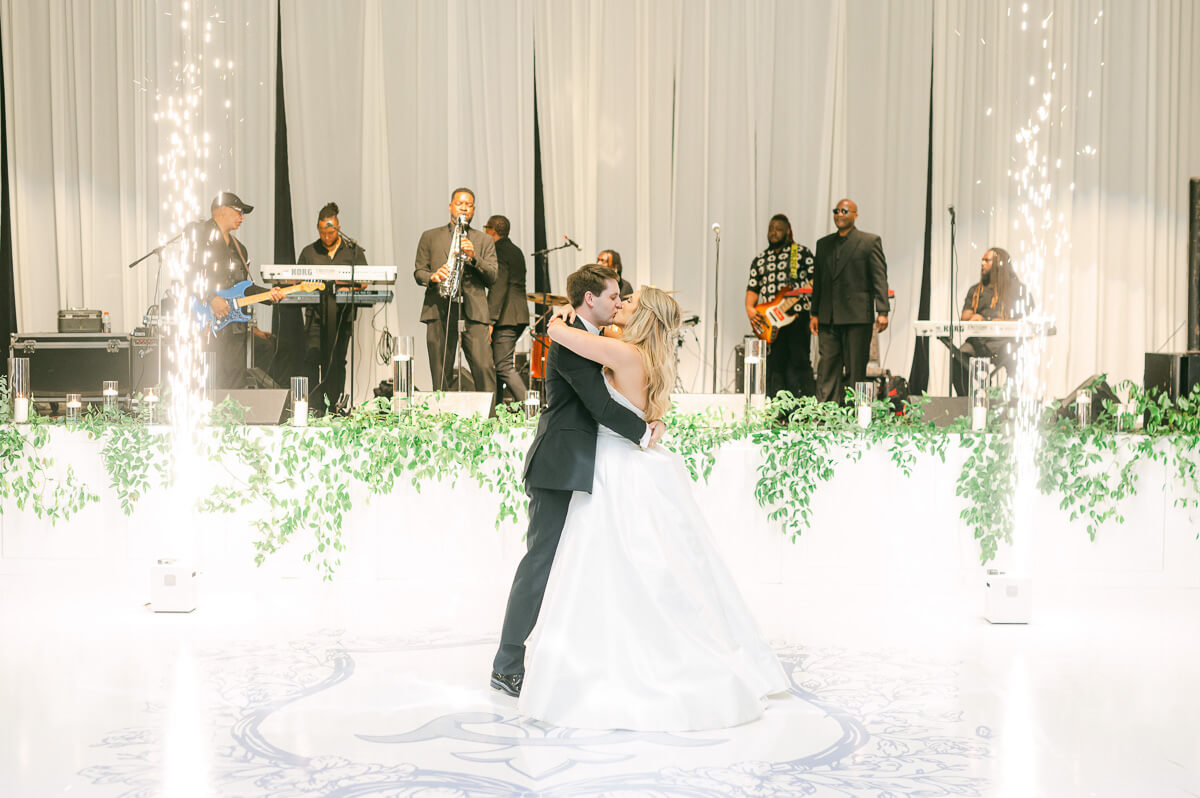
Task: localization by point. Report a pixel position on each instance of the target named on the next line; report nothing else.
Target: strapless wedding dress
(642, 626)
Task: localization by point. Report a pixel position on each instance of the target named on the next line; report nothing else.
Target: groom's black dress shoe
(509, 683)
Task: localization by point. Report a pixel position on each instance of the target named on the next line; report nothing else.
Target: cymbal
(546, 298)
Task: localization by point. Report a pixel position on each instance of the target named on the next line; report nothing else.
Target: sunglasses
(842, 211)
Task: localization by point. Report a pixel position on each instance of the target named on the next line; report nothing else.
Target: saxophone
(456, 260)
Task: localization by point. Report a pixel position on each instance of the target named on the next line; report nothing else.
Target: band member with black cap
(224, 261)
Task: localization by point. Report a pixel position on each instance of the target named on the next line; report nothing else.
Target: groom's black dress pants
(547, 513)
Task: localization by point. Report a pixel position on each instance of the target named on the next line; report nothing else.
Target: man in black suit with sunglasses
(850, 294)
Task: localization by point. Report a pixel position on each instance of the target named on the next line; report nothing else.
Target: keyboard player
(327, 324)
(998, 296)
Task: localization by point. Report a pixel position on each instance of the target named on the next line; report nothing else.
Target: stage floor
(373, 690)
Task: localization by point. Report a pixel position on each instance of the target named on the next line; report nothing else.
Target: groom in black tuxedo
(561, 460)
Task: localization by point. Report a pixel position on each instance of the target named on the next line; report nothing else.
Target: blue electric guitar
(235, 295)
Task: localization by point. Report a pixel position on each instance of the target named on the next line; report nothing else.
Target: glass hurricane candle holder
(110, 394)
(19, 390)
(299, 401)
(150, 406)
(1083, 408)
(402, 374)
(979, 368)
(74, 408)
(533, 404)
(753, 368)
(864, 395)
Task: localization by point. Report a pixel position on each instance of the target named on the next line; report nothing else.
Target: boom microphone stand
(716, 302)
(953, 295)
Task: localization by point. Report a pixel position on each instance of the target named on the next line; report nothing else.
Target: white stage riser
(873, 529)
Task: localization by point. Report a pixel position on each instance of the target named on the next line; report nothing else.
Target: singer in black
(508, 307)
(611, 259)
(328, 324)
(850, 293)
(224, 261)
(440, 314)
(784, 264)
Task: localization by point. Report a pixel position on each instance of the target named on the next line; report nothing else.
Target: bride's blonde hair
(651, 330)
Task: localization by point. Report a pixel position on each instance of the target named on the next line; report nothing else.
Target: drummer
(507, 309)
(544, 302)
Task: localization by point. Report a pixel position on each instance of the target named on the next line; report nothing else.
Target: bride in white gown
(642, 626)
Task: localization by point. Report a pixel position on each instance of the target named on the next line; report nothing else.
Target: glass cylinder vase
(402, 374)
(299, 401)
(754, 370)
(864, 396)
(19, 389)
(979, 368)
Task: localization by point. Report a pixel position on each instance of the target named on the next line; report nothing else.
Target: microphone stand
(353, 312)
(548, 250)
(953, 296)
(716, 302)
(457, 299)
(158, 277)
(545, 255)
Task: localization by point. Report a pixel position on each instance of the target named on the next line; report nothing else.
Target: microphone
(716, 230)
(572, 243)
(951, 209)
(342, 235)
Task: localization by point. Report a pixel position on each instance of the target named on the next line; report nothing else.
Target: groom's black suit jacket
(563, 453)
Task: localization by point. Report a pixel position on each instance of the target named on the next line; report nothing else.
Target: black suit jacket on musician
(563, 453)
(432, 251)
(506, 300)
(850, 282)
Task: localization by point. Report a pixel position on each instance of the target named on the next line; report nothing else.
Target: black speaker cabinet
(943, 411)
(1174, 373)
(63, 363)
(262, 406)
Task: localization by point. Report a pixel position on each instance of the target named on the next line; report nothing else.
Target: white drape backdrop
(390, 106)
(660, 119)
(657, 120)
(1120, 141)
(81, 81)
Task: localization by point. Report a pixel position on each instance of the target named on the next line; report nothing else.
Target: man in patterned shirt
(782, 264)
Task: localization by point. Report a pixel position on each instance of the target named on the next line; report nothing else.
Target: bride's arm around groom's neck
(610, 352)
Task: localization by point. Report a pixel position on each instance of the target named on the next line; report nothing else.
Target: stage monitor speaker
(1100, 391)
(1172, 373)
(943, 411)
(264, 406)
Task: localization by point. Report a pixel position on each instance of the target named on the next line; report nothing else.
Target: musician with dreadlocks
(998, 296)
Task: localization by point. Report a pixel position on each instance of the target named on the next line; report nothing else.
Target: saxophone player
(434, 265)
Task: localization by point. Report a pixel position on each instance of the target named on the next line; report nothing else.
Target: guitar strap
(793, 267)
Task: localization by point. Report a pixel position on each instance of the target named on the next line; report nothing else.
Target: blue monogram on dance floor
(289, 720)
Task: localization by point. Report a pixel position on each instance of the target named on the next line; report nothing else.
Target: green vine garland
(301, 482)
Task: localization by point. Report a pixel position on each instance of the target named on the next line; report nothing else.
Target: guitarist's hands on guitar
(755, 321)
(220, 306)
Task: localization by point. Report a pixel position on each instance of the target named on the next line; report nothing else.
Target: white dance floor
(301, 689)
(376, 684)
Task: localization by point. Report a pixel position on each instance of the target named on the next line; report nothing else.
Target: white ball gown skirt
(642, 626)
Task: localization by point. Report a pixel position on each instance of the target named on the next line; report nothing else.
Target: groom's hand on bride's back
(657, 430)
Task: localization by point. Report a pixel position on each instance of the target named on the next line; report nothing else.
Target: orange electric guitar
(778, 313)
